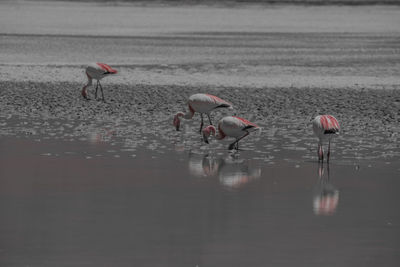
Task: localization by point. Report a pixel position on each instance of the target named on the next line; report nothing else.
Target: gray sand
(122, 19)
(261, 59)
(369, 117)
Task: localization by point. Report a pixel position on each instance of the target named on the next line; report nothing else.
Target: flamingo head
(84, 93)
(177, 121)
(209, 130)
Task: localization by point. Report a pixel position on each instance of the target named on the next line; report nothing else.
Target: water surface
(92, 204)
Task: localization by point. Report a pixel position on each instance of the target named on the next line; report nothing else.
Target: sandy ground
(327, 60)
(369, 117)
(251, 46)
(124, 19)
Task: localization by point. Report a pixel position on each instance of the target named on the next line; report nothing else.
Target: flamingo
(96, 71)
(203, 104)
(325, 127)
(231, 126)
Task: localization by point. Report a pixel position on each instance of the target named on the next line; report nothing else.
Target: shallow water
(86, 203)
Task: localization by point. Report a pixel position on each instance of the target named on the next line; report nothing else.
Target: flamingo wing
(329, 124)
(235, 126)
(248, 127)
(247, 124)
(106, 68)
(219, 102)
(204, 103)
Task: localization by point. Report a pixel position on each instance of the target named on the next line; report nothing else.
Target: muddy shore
(370, 119)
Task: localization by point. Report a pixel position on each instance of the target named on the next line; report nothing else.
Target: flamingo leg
(329, 150)
(320, 152)
(236, 143)
(102, 94)
(202, 123)
(209, 119)
(328, 170)
(320, 170)
(97, 86)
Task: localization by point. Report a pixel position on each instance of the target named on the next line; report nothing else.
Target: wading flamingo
(96, 71)
(231, 126)
(203, 104)
(325, 128)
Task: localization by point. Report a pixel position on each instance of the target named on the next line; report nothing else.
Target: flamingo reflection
(232, 172)
(97, 136)
(203, 165)
(326, 196)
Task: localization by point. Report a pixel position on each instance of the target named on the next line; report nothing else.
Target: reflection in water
(326, 196)
(232, 171)
(100, 136)
(203, 165)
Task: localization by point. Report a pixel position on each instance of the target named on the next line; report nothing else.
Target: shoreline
(232, 3)
(370, 119)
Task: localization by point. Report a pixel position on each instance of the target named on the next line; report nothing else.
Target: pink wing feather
(218, 100)
(248, 123)
(106, 68)
(329, 122)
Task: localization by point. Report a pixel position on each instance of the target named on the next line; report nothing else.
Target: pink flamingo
(231, 126)
(203, 104)
(96, 71)
(325, 127)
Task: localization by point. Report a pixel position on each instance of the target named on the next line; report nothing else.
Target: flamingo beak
(205, 138)
(84, 94)
(177, 123)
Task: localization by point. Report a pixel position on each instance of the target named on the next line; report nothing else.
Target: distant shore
(245, 2)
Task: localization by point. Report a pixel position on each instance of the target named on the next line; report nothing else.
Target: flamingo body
(325, 127)
(236, 127)
(203, 104)
(231, 126)
(96, 71)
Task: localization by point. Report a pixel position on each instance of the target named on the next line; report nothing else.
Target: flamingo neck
(220, 135)
(187, 116)
(84, 92)
(89, 80)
